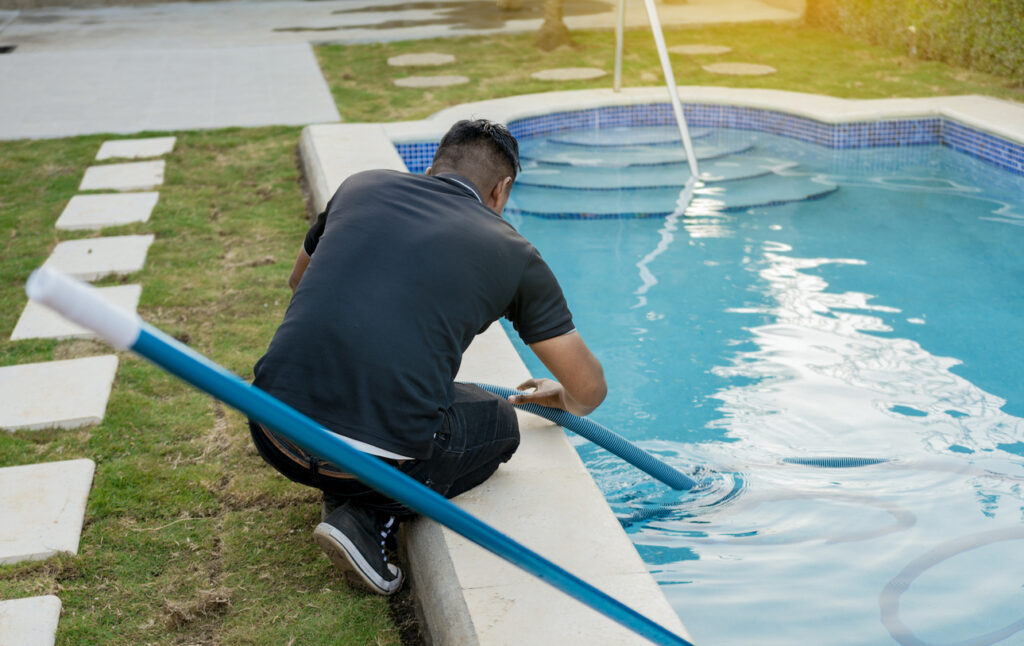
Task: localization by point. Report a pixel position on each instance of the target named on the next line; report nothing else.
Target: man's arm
(300, 268)
(580, 387)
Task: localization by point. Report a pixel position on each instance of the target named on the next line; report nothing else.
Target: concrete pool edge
(467, 596)
(982, 127)
(998, 117)
(330, 160)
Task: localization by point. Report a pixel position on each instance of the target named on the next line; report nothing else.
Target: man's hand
(580, 385)
(550, 393)
(546, 392)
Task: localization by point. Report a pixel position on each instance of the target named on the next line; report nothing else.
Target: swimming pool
(812, 302)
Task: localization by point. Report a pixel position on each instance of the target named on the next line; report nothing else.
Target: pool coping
(465, 595)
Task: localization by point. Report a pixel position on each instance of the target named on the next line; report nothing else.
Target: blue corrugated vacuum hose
(82, 304)
(604, 438)
(835, 462)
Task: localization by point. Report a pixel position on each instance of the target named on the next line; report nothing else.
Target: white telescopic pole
(619, 28)
(673, 91)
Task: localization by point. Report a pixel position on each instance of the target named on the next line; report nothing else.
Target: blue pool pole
(82, 304)
(603, 437)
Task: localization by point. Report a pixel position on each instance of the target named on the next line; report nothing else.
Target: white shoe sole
(350, 562)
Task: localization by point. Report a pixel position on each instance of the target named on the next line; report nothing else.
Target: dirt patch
(79, 349)
(402, 610)
(206, 603)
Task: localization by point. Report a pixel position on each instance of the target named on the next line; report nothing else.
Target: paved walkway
(64, 93)
(262, 22)
(180, 66)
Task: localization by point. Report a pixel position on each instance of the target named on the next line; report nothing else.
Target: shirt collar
(461, 181)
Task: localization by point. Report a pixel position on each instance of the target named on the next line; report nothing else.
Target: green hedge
(985, 35)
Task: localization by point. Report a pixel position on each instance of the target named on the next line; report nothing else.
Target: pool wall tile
(925, 131)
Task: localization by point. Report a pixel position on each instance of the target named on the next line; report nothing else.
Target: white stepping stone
(29, 622)
(106, 210)
(569, 74)
(132, 176)
(40, 322)
(55, 394)
(95, 258)
(421, 60)
(42, 509)
(739, 69)
(136, 148)
(431, 81)
(698, 50)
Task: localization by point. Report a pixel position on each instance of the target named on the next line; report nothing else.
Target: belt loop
(314, 468)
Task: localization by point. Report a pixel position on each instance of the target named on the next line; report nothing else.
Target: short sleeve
(539, 311)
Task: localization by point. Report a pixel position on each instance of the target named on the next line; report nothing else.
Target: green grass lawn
(189, 538)
(807, 60)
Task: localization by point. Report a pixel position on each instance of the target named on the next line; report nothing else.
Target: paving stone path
(56, 394)
(569, 74)
(95, 258)
(699, 50)
(99, 210)
(426, 59)
(431, 81)
(40, 322)
(29, 622)
(136, 148)
(739, 69)
(731, 69)
(43, 505)
(130, 176)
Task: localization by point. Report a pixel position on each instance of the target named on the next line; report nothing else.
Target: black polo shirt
(404, 271)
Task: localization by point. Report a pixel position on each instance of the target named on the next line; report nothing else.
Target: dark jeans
(479, 432)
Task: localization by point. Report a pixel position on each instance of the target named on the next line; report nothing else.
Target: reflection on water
(835, 384)
(882, 322)
(827, 378)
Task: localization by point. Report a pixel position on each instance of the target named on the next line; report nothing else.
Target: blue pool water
(811, 302)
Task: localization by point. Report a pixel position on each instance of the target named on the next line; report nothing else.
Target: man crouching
(392, 283)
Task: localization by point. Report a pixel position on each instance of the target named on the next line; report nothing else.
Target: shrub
(985, 35)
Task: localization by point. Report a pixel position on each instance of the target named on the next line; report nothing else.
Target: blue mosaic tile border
(417, 156)
(511, 208)
(995, 150)
(905, 132)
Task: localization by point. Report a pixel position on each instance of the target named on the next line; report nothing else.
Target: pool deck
(995, 116)
(544, 497)
(331, 148)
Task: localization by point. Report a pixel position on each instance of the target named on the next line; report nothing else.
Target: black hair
(463, 141)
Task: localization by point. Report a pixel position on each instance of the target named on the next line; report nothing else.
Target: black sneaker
(354, 538)
(331, 502)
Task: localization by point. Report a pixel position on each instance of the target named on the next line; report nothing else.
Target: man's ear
(499, 195)
(429, 168)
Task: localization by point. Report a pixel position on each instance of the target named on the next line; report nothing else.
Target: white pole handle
(81, 303)
(673, 91)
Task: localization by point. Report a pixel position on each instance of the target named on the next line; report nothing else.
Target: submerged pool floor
(880, 319)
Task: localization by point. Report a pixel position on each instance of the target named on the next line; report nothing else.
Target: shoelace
(384, 537)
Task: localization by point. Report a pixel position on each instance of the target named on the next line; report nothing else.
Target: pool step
(571, 203)
(628, 136)
(725, 169)
(544, 151)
